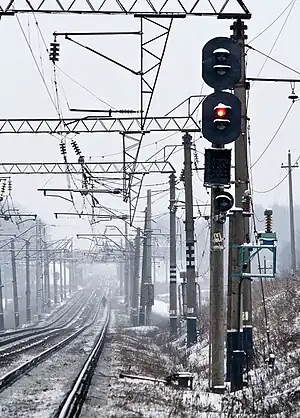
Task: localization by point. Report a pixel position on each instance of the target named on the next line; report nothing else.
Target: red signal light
(221, 112)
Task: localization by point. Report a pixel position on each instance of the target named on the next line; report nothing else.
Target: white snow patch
(161, 308)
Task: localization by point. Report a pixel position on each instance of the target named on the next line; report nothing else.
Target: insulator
(63, 149)
(9, 186)
(75, 147)
(84, 183)
(268, 220)
(54, 51)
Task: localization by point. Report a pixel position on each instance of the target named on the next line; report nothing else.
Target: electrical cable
(272, 23)
(274, 136)
(273, 59)
(36, 63)
(277, 38)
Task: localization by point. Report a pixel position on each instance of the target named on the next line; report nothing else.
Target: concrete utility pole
(135, 280)
(217, 320)
(173, 270)
(1, 304)
(235, 355)
(190, 243)
(54, 282)
(47, 297)
(242, 184)
(28, 286)
(71, 269)
(131, 271)
(142, 311)
(61, 289)
(38, 271)
(291, 206)
(15, 284)
(149, 258)
(126, 268)
(65, 277)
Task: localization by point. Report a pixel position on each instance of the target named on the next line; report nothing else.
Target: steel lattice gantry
(129, 7)
(92, 168)
(94, 124)
(159, 13)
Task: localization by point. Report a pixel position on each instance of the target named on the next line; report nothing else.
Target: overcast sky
(23, 94)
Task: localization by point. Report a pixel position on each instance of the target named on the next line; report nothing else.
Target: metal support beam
(96, 124)
(110, 7)
(108, 167)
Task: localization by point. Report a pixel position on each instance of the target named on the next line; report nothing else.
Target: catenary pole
(217, 319)
(173, 270)
(28, 284)
(190, 243)
(242, 184)
(290, 167)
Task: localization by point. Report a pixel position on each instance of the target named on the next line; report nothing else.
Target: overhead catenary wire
(277, 38)
(273, 22)
(274, 136)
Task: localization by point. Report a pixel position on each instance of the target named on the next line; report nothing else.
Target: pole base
(173, 326)
(232, 344)
(191, 325)
(248, 344)
(238, 361)
(218, 389)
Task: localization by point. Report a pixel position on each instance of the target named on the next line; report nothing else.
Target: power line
(273, 59)
(272, 23)
(274, 136)
(277, 38)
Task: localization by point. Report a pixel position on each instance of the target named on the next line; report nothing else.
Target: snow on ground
(149, 354)
(34, 345)
(160, 307)
(39, 393)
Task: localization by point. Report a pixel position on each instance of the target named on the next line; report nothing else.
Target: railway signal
(223, 201)
(221, 118)
(221, 125)
(221, 63)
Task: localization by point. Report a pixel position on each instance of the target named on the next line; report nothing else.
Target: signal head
(221, 118)
(223, 201)
(221, 63)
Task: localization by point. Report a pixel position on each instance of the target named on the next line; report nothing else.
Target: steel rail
(9, 378)
(33, 339)
(36, 326)
(72, 404)
(27, 333)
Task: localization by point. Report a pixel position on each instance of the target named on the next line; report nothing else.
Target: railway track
(9, 347)
(13, 375)
(9, 338)
(71, 406)
(64, 311)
